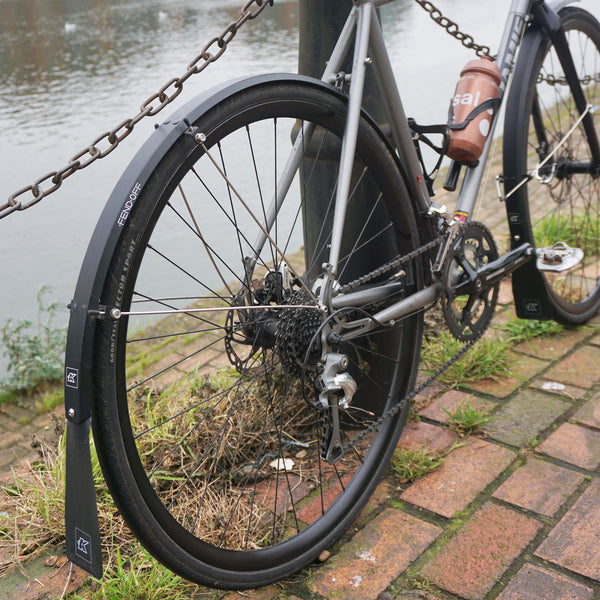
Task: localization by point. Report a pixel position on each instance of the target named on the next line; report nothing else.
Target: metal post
(320, 24)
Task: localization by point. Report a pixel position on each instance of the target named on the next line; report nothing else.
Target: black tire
(192, 420)
(566, 206)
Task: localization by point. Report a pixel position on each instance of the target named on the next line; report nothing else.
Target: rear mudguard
(81, 519)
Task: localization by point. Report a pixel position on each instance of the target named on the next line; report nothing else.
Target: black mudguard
(81, 519)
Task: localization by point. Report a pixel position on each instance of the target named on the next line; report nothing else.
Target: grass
(522, 330)
(410, 464)
(488, 359)
(32, 520)
(465, 419)
(578, 231)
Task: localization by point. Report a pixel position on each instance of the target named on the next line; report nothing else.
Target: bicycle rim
(220, 440)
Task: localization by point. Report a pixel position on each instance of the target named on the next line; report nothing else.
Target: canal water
(72, 69)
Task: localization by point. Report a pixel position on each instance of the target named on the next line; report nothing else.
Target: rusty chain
(453, 29)
(104, 144)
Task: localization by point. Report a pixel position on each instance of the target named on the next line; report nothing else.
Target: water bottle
(479, 81)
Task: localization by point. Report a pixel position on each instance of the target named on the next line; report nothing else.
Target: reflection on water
(72, 69)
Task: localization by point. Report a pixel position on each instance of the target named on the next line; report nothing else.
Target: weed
(465, 419)
(411, 464)
(35, 352)
(136, 576)
(49, 401)
(521, 330)
(488, 359)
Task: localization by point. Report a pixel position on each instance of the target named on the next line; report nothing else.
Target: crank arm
(497, 270)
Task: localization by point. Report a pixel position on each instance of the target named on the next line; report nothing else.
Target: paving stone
(539, 486)
(465, 472)
(525, 416)
(555, 346)
(8, 440)
(575, 369)
(522, 368)
(321, 502)
(535, 583)
(559, 389)
(288, 491)
(589, 413)
(575, 542)
(268, 593)
(574, 444)
(473, 560)
(419, 435)
(428, 394)
(378, 554)
(34, 581)
(449, 401)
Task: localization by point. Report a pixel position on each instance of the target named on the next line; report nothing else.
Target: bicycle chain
(211, 52)
(453, 29)
(407, 399)
(393, 264)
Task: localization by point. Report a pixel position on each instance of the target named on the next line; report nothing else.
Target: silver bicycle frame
(363, 27)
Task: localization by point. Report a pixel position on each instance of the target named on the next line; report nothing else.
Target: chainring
(468, 305)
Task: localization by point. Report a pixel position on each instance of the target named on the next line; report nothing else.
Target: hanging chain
(453, 29)
(107, 142)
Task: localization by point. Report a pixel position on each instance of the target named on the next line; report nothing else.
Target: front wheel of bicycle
(559, 206)
(207, 423)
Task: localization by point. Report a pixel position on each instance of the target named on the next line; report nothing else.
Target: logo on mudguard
(533, 307)
(83, 545)
(72, 378)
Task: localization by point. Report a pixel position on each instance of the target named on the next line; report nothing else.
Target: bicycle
(245, 409)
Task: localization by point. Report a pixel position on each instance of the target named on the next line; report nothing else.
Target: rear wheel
(560, 204)
(208, 424)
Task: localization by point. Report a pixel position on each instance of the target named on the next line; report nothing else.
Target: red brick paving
(417, 434)
(522, 368)
(575, 542)
(535, 583)
(447, 403)
(378, 554)
(465, 473)
(472, 561)
(589, 413)
(539, 486)
(574, 444)
(579, 369)
(477, 556)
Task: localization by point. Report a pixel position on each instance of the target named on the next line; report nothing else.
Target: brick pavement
(512, 513)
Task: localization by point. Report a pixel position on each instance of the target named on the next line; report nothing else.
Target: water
(73, 69)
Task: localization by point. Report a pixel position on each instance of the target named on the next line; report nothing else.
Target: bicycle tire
(215, 528)
(560, 205)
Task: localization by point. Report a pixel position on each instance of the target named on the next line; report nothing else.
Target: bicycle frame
(363, 27)
(370, 50)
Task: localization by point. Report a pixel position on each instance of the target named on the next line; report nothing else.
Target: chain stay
(46, 185)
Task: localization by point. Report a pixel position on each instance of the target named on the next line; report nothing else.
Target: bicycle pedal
(558, 257)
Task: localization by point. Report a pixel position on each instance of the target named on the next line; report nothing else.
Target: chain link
(453, 29)
(389, 266)
(108, 141)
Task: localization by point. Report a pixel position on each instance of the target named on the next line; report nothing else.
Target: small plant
(411, 464)
(35, 352)
(465, 419)
(488, 359)
(522, 330)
